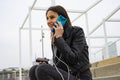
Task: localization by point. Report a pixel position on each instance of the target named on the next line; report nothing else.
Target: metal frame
(107, 19)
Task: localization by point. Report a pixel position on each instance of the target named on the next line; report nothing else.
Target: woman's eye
(52, 17)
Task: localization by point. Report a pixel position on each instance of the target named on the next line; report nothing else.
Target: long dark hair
(61, 11)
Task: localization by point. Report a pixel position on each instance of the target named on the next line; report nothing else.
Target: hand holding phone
(42, 60)
(60, 19)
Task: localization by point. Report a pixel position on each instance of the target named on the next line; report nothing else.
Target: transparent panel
(99, 32)
(79, 5)
(38, 19)
(25, 53)
(36, 43)
(116, 16)
(81, 22)
(118, 47)
(96, 55)
(43, 4)
(100, 12)
(113, 28)
(97, 42)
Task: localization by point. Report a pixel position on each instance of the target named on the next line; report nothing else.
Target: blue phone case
(61, 19)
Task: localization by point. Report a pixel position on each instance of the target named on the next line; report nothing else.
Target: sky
(13, 13)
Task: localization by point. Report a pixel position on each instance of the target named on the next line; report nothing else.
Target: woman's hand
(58, 30)
(42, 62)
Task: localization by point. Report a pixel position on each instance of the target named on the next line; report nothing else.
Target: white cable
(63, 63)
(66, 66)
(58, 71)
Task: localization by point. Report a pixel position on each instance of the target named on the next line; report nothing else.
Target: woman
(70, 51)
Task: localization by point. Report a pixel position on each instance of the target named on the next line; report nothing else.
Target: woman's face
(51, 18)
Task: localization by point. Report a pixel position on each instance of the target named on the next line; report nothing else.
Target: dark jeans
(47, 72)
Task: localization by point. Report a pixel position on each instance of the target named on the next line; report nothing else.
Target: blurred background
(25, 36)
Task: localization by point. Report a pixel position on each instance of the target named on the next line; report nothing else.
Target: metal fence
(13, 75)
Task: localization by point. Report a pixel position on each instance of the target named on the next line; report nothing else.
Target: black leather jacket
(71, 49)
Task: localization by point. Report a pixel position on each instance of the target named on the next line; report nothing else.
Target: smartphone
(62, 20)
(42, 60)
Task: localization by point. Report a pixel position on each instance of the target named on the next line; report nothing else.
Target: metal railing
(88, 36)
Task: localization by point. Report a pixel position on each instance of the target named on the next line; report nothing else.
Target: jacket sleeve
(72, 52)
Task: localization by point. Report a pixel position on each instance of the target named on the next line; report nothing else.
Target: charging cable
(63, 63)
